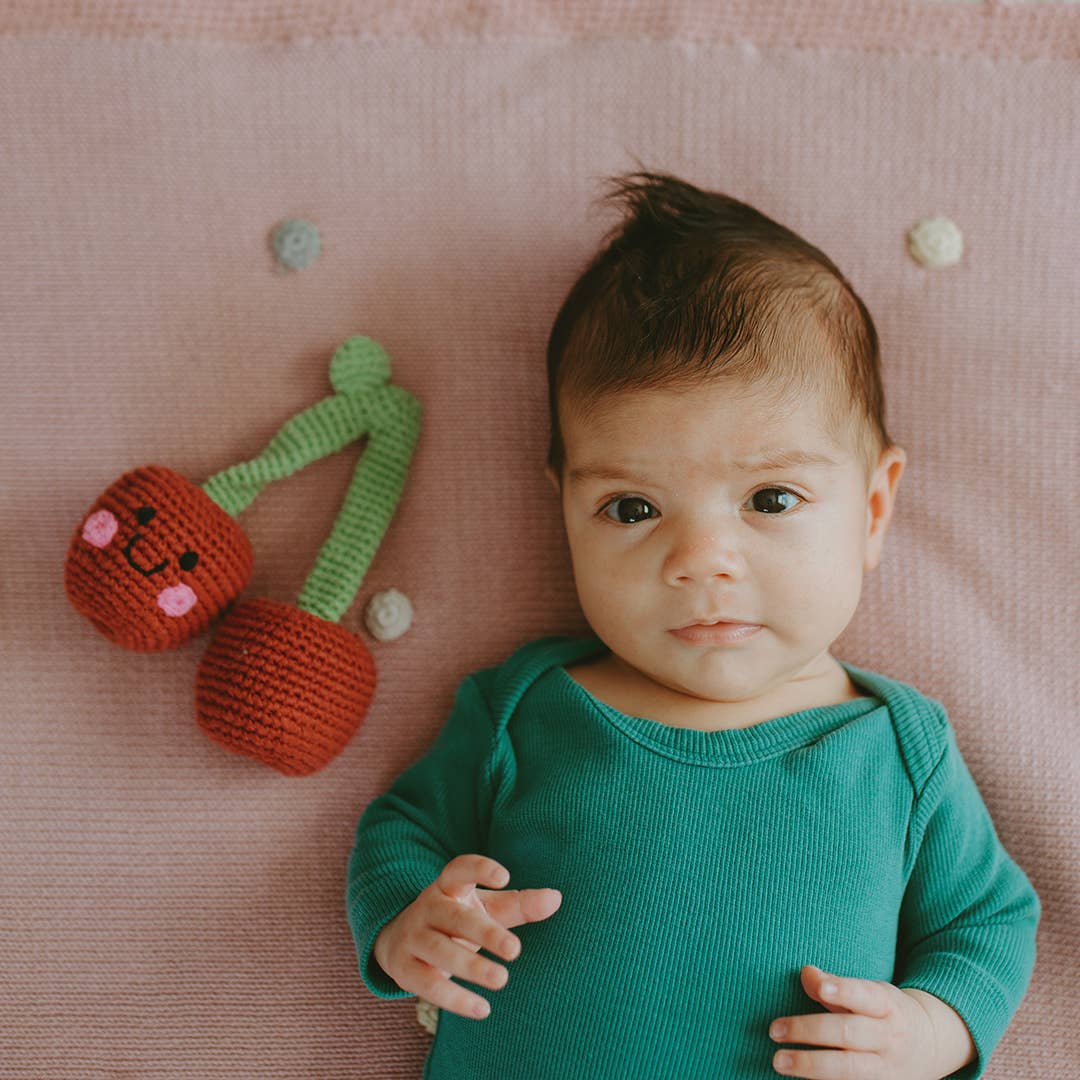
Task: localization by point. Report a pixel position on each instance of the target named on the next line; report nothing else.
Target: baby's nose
(700, 556)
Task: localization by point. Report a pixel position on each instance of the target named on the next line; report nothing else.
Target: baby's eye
(767, 501)
(633, 503)
(773, 494)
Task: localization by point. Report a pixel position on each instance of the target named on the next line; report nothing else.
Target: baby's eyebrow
(769, 461)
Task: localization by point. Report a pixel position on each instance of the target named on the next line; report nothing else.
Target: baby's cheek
(100, 528)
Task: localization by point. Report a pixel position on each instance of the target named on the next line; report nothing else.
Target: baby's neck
(825, 682)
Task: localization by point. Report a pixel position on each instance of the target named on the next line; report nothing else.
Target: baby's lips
(176, 600)
(100, 528)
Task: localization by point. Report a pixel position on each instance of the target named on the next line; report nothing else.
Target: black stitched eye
(188, 560)
(144, 515)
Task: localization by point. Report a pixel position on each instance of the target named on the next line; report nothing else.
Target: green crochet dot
(359, 364)
(296, 243)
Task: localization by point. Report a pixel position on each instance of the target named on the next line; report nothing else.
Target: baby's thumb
(537, 904)
(512, 907)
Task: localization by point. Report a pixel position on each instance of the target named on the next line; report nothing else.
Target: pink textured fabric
(994, 28)
(170, 910)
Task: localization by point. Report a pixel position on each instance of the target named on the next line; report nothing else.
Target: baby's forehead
(633, 430)
(632, 413)
(628, 443)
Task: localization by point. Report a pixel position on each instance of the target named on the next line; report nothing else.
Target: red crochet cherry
(155, 560)
(283, 686)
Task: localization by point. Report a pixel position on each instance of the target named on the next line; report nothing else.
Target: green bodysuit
(699, 871)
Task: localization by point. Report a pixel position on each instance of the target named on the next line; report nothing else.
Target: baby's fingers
(473, 928)
(437, 958)
(460, 876)
(513, 907)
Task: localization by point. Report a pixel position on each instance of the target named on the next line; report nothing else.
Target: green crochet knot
(364, 402)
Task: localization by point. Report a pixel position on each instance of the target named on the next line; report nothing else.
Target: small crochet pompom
(296, 244)
(283, 686)
(936, 242)
(427, 1016)
(388, 615)
(155, 560)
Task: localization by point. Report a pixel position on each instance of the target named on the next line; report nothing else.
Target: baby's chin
(720, 692)
(732, 681)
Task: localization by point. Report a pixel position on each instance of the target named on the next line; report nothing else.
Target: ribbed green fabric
(699, 871)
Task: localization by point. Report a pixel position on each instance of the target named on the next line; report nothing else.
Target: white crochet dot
(296, 243)
(936, 241)
(388, 615)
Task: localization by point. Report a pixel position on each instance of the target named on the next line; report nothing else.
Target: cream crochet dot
(388, 615)
(427, 1015)
(936, 242)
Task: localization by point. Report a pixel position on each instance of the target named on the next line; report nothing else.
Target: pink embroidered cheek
(100, 528)
(176, 600)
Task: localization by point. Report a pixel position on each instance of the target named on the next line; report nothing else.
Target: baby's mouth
(131, 562)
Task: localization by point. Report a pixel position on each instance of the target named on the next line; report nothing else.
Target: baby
(735, 855)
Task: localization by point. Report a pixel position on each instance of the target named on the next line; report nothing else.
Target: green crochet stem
(364, 402)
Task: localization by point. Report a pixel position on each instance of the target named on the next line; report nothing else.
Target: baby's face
(691, 532)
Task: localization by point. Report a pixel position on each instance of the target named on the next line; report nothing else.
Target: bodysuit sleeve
(969, 913)
(438, 808)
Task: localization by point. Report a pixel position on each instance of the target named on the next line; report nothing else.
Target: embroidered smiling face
(155, 561)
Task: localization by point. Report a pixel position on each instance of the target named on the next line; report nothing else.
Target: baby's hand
(878, 1030)
(440, 933)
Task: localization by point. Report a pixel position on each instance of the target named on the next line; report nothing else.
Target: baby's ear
(549, 472)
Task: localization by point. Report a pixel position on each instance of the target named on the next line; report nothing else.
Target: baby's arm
(965, 952)
(969, 914)
(437, 809)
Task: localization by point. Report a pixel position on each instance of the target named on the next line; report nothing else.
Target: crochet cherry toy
(156, 559)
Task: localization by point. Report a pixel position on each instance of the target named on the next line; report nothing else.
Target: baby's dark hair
(695, 286)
